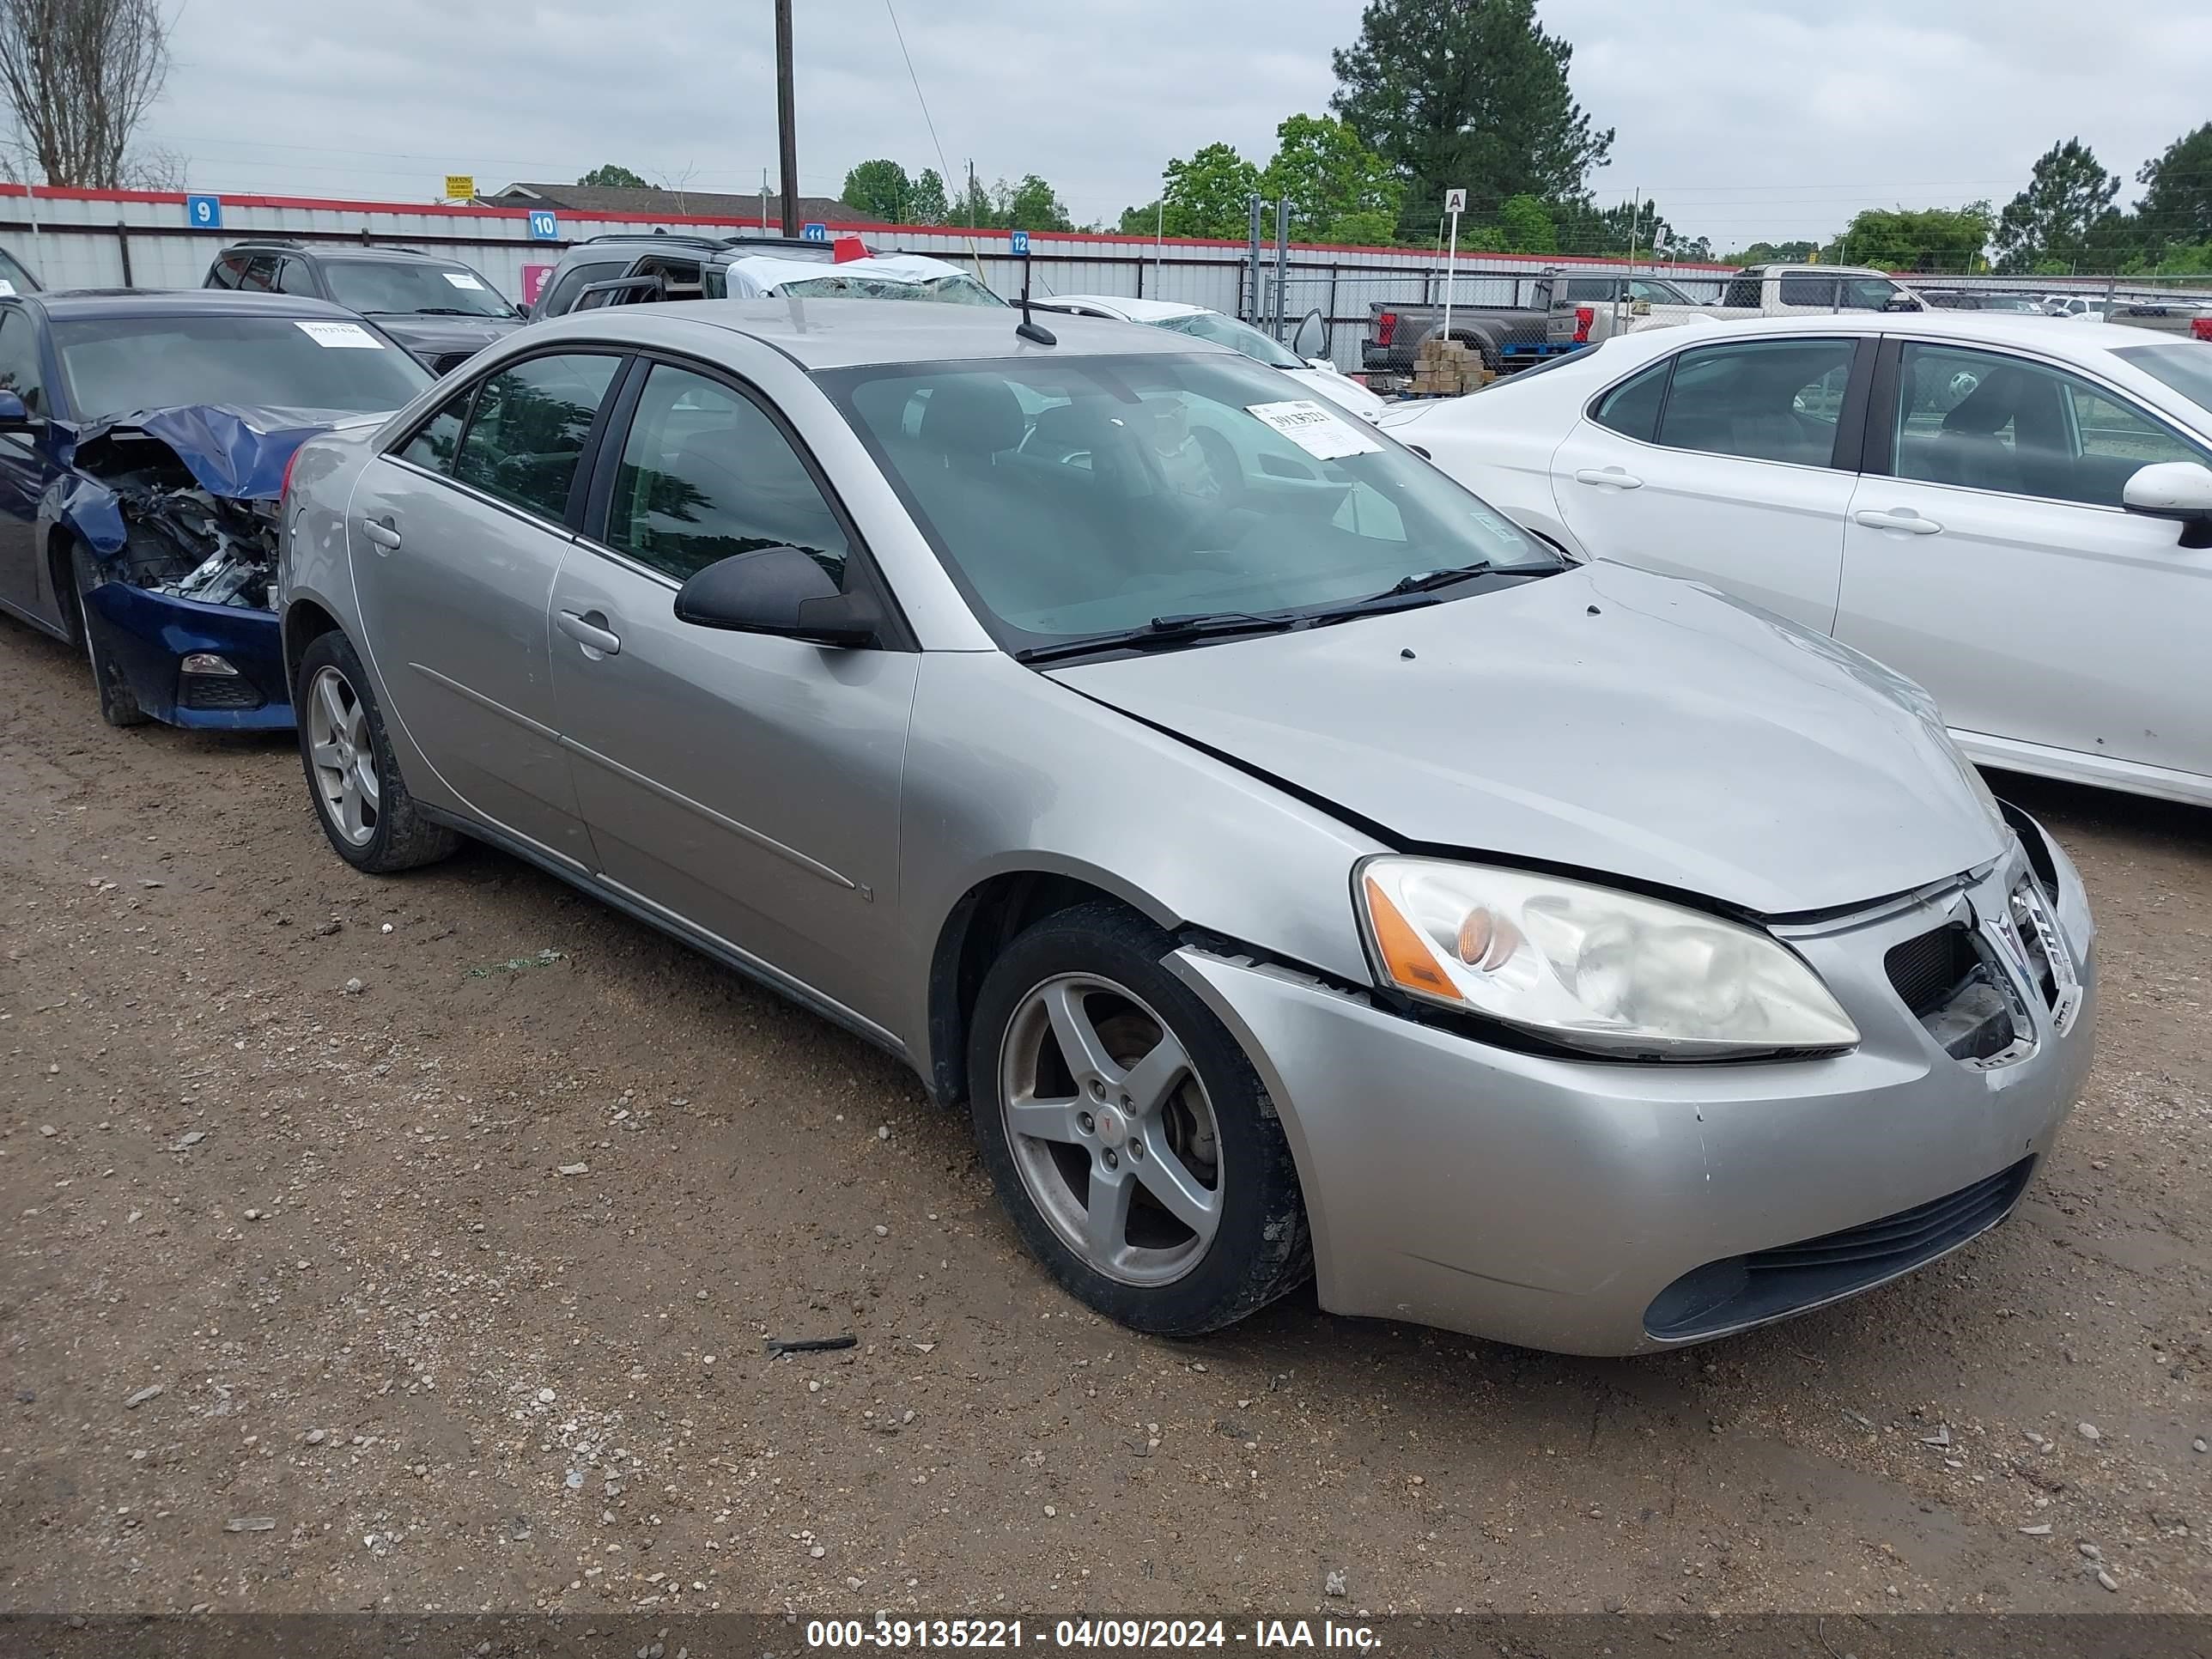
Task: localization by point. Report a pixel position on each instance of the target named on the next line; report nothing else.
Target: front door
(1988, 557)
(746, 784)
(24, 471)
(1720, 462)
(456, 539)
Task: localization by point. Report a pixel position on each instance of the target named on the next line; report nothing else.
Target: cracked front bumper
(1550, 1202)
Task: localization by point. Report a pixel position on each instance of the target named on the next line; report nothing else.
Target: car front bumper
(148, 635)
(1552, 1202)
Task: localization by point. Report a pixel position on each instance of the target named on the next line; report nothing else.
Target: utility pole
(787, 117)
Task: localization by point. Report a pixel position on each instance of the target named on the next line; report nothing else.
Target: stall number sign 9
(203, 212)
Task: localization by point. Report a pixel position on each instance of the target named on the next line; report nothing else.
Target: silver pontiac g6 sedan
(1295, 868)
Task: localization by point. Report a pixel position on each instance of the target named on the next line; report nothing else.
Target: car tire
(360, 799)
(1138, 1155)
(118, 704)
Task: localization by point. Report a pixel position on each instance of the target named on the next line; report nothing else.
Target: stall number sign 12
(203, 212)
(1021, 241)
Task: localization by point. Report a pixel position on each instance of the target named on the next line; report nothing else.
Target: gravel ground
(414, 1245)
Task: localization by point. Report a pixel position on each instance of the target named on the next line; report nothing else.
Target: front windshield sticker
(7, 289)
(462, 279)
(350, 336)
(1313, 429)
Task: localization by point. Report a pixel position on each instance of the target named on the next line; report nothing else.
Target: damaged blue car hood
(231, 450)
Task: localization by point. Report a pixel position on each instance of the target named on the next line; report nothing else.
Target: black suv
(437, 308)
(685, 267)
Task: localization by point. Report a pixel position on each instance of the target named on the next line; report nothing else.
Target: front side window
(705, 474)
(529, 429)
(434, 445)
(1658, 292)
(1771, 400)
(396, 288)
(19, 360)
(1237, 337)
(1987, 421)
(114, 365)
(14, 278)
(1081, 497)
(1867, 293)
(1808, 291)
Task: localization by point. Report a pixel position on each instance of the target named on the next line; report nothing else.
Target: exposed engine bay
(184, 540)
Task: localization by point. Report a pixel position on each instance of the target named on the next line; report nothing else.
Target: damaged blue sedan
(144, 439)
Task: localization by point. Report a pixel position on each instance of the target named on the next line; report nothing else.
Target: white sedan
(2017, 517)
(1197, 321)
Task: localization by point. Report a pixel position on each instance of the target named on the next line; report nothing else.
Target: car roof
(817, 334)
(1137, 311)
(335, 250)
(66, 305)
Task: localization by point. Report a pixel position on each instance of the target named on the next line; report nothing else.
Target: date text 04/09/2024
(898, 1634)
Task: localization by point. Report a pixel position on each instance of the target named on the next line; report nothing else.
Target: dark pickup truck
(1508, 337)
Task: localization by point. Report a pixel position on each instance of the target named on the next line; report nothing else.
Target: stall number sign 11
(203, 212)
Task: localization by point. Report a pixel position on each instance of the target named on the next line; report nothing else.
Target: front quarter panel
(312, 566)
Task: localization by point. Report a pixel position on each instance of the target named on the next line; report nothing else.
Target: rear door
(1988, 557)
(743, 783)
(1731, 463)
(457, 536)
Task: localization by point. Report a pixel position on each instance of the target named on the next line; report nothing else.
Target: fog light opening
(206, 662)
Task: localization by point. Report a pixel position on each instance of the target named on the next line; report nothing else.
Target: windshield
(1237, 337)
(2008, 303)
(2185, 365)
(390, 288)
(958, 288)
(1078, 496)
(117, 366)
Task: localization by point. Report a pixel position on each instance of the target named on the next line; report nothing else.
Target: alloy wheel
(1111, 1129)
(344, 759)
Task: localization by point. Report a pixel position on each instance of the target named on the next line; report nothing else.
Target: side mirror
(14, 417)
(779, 591)
(1310, 340)
(1902, 303)
(1640, 307)
(2179, 490)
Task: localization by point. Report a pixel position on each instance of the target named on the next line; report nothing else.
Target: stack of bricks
(1448, 367)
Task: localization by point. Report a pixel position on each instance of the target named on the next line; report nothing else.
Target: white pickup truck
(1754, 291)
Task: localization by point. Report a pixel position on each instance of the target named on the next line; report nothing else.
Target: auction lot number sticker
(891, 1634)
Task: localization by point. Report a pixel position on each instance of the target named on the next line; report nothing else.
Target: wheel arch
(305, 621)
(982, 923)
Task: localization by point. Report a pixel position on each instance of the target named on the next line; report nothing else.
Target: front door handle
(382, 531)
(591, 631)
(1611, 477)
(1902, 518)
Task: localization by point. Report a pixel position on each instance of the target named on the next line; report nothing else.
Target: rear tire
(1138, 1154)
(119, 703)
(361, 800)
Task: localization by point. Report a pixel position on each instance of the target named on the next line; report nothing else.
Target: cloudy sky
(1771, 118)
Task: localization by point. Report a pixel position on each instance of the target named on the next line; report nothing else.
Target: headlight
(1590, 967)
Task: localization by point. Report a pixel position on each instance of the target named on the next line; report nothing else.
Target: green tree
(1336, 186)
(974, 206)
(1470, 93)
(1209, 194)
(1527, 226)
(2047, 227)
(1770, 253)
(879, 190)
(2177, 207)
(1918, 238)
(1029, 206)
(614, 178)
(926, 204)
(1141, 221)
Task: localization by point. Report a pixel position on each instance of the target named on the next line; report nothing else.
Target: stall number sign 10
(544, 227)
(203, 212)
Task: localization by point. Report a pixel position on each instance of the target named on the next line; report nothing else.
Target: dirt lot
(429, 1367)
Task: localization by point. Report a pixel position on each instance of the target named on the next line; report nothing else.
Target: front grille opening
(1747, 1290)
(1925, 971)
(1954, 991)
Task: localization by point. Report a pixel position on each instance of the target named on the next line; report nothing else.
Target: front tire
(119, 703)
(1129, 1138)
(361, 800)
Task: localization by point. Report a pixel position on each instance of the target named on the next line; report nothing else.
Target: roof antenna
(1028, 329)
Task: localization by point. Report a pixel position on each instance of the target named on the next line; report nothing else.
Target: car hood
(230, 449)
(435, 337)
(1604, 720)
(1341, 389)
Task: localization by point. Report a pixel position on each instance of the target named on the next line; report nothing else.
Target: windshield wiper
(1164, 631)
(437, 311)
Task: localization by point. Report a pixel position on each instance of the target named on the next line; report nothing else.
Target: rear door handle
(382, 531)
(1904, 519)
(1608, 477)
(591, 633)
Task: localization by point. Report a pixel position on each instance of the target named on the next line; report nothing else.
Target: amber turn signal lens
(1405, 955)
